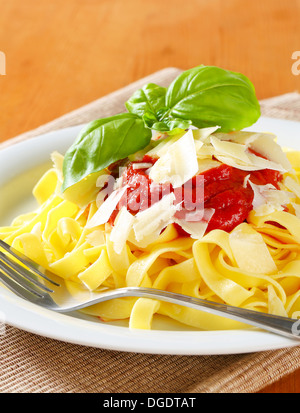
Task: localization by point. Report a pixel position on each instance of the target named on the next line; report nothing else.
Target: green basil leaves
(102, 143)
(150, 99)
(149, 103)
(210, 96)
(201, 97)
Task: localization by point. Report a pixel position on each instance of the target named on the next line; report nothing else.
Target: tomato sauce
(221, 188)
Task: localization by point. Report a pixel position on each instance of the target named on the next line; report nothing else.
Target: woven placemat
(34, 364)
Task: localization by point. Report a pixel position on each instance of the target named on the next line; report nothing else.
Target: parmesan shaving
(164, 144)
(196, 229)
(141, 165)
(266, 145)
(206, 164)
(203, 150)
(268, 199)
(256, 163)
(250, 251)
(178, 165)
(234, 150)
(121, 229)
(150, 222)
(261, 163)
(241, 137)
(236, 164)
(204, 133)
(297, 209)
(292, 185)
(106, 209)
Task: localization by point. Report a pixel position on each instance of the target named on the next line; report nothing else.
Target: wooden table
(61, 55)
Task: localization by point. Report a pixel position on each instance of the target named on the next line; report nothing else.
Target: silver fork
(33, 283)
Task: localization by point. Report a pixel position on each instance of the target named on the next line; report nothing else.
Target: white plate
(21, 165)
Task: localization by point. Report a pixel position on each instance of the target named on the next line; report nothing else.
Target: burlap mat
(35, 364)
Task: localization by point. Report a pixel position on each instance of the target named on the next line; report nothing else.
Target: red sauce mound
(221, 188)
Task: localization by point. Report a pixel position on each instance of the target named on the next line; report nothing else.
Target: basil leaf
(101, 143)
(161, 112)
(149, 119)
(167, 125)
(149, 99)
(211, 96)
(176, 123)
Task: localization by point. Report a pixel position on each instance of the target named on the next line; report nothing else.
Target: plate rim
(65, 328)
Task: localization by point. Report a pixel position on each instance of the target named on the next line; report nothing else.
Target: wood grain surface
(61, 55)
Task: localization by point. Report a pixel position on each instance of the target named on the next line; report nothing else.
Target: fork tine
(14, 286)
(26, 261)
(13, 281)
(22, 271)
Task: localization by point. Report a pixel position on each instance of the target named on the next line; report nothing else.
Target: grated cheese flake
(178, 165)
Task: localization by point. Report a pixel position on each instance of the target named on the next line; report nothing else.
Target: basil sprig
(149, 99)
(201, 97)
(149, 103)
(101, 143)
(211, 96)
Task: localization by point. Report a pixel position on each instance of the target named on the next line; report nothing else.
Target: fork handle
(285, 326)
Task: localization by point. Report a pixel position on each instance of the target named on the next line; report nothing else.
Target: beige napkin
(33, 364)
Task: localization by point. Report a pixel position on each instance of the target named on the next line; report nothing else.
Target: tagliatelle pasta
(255, 265)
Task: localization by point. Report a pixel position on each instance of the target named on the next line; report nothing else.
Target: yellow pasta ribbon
(94, 275)
(256, 266)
